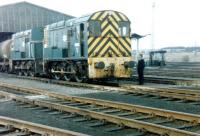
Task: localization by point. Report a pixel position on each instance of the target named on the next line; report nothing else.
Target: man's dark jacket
(141, 65)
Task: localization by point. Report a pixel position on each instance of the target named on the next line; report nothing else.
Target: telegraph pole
(153, 27)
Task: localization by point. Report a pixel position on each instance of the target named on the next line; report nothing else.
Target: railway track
(170, 80)
(171, 73)
(177, 69)
(148, 120)
(148, 78)
(185, 95)
(14, 127)
(183, 65)
(184, 73)
(171, 94)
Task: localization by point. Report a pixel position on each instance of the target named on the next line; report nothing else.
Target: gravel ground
(47, 86)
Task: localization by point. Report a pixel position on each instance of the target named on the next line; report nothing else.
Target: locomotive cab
(109, 45)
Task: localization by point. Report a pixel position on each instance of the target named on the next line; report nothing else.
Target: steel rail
(37, 128)
(159, 129)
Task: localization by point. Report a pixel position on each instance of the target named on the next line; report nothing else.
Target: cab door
(79, 44)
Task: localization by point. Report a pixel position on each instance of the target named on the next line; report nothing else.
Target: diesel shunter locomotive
(94, 46)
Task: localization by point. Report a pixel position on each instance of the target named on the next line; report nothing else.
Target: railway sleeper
(116, 128)
(125, 114)
(109, 111)
(82, 119)
(186, 126)
(6, 129)
(99, 123)
(71, 115)
(23, 128)
(55, 113)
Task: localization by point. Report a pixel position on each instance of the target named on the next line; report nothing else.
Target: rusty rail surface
(190, 119)
(10, 125)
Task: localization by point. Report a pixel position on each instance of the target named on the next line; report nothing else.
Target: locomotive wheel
(79, 79)
(67, 77)
(79, 75)
(20, 73)
(32, 74)
(26, 73)
(56, 76)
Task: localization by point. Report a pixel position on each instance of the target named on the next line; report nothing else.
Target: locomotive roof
(23, 33)
(72, 21)
(69, 22)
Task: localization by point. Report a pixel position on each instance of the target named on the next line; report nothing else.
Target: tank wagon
(95, 46)
(5, 55)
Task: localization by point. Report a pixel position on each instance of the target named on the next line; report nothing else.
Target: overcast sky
(177, 22)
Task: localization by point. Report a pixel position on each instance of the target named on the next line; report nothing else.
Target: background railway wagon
(5, 55)
(27, 52)
(65, 50)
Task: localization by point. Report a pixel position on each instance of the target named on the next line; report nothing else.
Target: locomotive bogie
(5, 49)
(67, 69)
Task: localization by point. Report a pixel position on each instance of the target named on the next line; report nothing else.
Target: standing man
(140, 69)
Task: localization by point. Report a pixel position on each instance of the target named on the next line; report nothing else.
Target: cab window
(124, 28)
(95, 28)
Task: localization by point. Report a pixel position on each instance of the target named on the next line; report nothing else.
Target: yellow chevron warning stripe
(116, 17)
(125, 44)
(95, 48)
(94, 44)
(90, 40)
(95, 15)
(108, 45)
(110, 40)
(122, 16)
